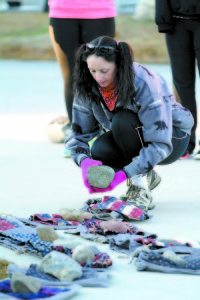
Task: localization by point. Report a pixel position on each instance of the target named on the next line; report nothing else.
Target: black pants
(184, 49)
(70, 34)
(117, 147)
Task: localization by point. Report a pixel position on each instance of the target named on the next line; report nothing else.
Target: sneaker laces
(134, 195)
(129, 182)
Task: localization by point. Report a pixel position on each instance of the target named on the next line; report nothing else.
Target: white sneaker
(139, 197)
(153, 179)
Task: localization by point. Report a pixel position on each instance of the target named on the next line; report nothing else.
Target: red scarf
(109, 94)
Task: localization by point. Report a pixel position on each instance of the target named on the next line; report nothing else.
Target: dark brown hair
(123, 58)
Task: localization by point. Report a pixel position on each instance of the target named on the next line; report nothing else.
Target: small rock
(114, 226)
(72, 214)
(47, 233)
(100, 176)
(83, 253)
(23, 284)
(61, 266)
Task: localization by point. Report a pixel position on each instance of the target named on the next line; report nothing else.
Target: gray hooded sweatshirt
(156, 108)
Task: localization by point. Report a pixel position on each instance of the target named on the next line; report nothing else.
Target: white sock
(140, 181)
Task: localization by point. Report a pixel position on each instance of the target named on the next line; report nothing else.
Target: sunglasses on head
(103, 49)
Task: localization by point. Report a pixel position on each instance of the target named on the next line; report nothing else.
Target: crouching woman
(142, 124)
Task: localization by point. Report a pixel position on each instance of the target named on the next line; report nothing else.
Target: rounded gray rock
(83, 253)
(47, 233)
(60, 266)
(73, 214)
(23, 284)
(100, 176)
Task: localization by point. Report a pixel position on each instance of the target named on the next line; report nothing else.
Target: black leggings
(117, 147)
(184, 48)
(70, 34)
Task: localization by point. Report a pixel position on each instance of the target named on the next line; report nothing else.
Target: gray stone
(83, 253)
(61, 266)
(47, 233)
(72, 214)
(100, 176)
(23, 284)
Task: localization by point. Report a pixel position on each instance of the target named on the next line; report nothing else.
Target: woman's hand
(120, 177)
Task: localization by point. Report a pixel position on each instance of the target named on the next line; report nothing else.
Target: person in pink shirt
(73, 23)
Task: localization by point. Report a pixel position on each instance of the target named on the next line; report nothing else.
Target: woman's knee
(125, 119)
(100, 149)
(105, 150)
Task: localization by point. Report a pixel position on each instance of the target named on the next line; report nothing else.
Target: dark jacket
(166, 9)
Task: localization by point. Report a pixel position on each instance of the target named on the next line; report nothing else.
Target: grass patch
(23, 24)
(25, 36)
(149, 46)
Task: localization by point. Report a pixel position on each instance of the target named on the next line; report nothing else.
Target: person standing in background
(180, 21)
(73, 23)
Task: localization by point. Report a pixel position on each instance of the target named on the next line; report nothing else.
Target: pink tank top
(82, 9)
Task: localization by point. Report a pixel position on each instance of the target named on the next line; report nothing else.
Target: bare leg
(62, 60)
(176, 95)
